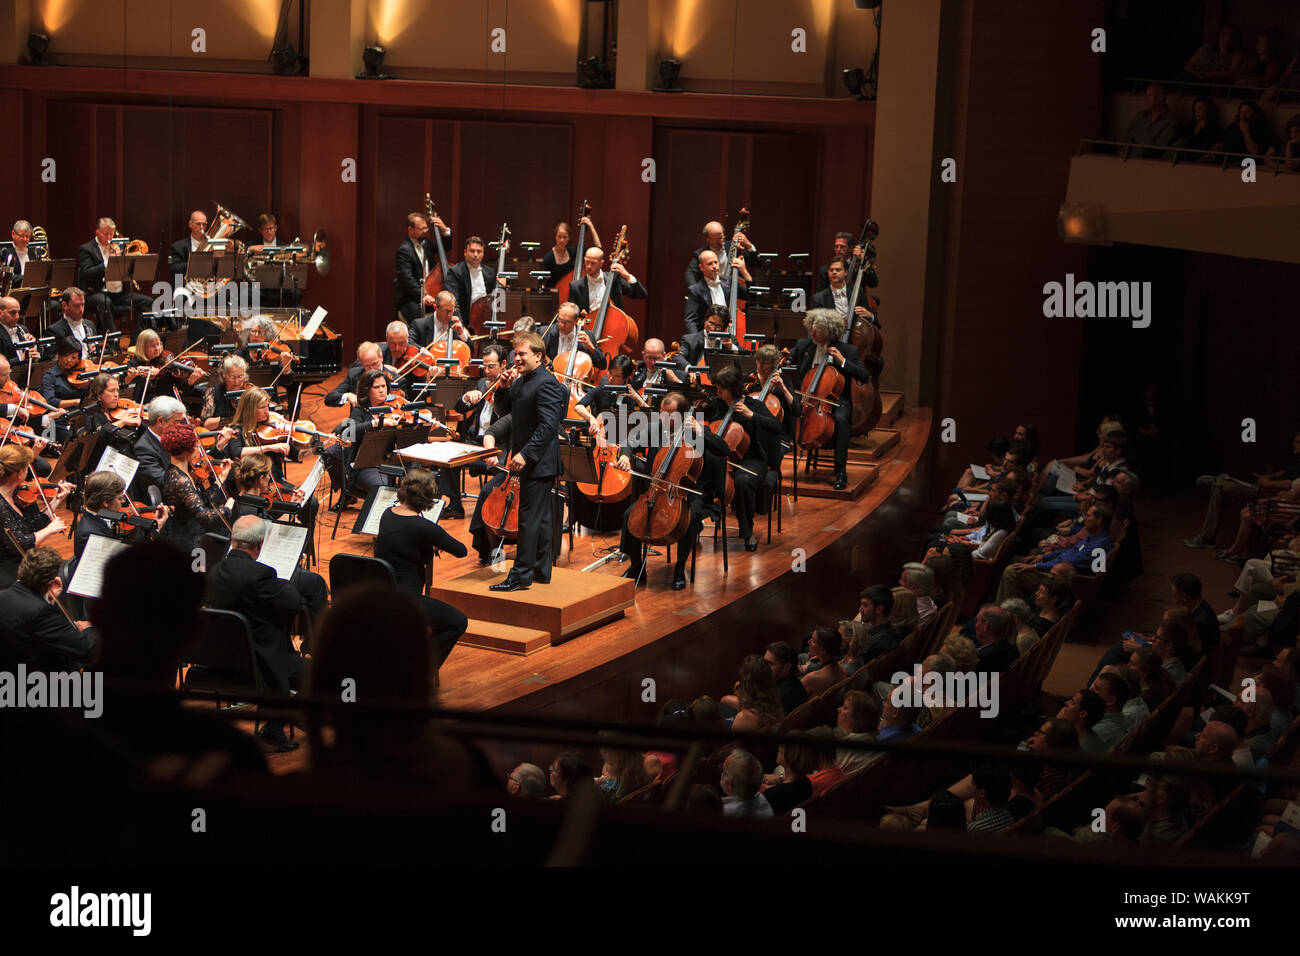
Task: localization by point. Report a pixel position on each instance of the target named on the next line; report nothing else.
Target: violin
(416, 361)
(30, 492)
(127, 413)
(663, 513)
(24, 436)
(501, 509)
(278, 429)
(13, 395)
(138, 510)
(822, 387)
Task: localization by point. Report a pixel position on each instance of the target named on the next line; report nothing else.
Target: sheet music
(434, 513)
(119, 464)
(308, 487)
(440, 453)
(88, 580)
(979, 473)
(385, 498)
(975, 497)
(314, 323)
(1065, 478)
(282, 548)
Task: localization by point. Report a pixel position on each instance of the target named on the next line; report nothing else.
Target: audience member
(741, 776)
(1153, 126)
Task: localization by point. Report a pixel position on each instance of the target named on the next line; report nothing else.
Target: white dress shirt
(841, 299)
(103, 251)
(717, 294)
(79, 333)
(477, 287)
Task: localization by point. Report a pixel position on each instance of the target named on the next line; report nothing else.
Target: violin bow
(18, 546)
(203, 453)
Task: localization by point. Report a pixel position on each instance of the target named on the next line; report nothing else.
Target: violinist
(434, 326)
(74, 324)
(250, 428)
(659, 370)
(825, 328)
(836, 294)
(763, 432)
(111, 419)
(105, 492)
(564, 336)
(409, 541)
(674, 414)
(37, 631)
(372, 391)
(191, 512)
(153, 371)
(252, 476)
(397, 346)
(148, 449)
(712, 290)
(58, 386)
(25, 414)
(217, 406)
(370, 358)
(31, 525)
(588, 290)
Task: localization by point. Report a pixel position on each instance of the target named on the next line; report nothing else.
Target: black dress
(191, 515)
(557, 271)
(23, 526)
(407, 543)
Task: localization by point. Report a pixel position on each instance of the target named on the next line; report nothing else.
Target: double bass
(480, 313)
(615, 331)
(663, 513)
(863, 335)
(737, 324)
(434, 281)
(562, 287)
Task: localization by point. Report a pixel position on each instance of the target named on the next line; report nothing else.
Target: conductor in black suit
(240, 583)
(587, 291)
(103, 296)
(536, 403)
(34, 628)
(712, 290)
(416, 258)
(825, 327)
(470, 280)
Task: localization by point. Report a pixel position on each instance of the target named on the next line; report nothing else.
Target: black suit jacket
(239, 583)
(580, 297)
(408, 280)
(39, 632)
(153, 464)
(7, 347)
(677, 363)
(693, 274)
(423, 332)
(88, 526)
(458, 284)
(699, 302)
(349, 384)
(469, 424)
(536, 404)
(552, 341)
(62, 330)
(178, 258)
(802, 357)
(825, 299)
(90, 268)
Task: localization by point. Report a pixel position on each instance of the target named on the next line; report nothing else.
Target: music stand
(63, 273)
(448, 391)
(32, 300)
(37, 273)
(718, 359)
(577, 464)
(76, 458)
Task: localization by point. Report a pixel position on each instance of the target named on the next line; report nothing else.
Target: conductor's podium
(573, 603)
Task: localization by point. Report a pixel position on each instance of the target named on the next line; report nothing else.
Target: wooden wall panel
(329, 202)
(400, 182)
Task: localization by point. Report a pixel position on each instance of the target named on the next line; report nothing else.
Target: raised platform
(505, 638)
(820, 483)
(872, 447)
(572, 603)
(891, 408)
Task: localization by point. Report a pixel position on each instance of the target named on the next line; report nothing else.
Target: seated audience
(741, 776)
(858, 720)
(527, 780)
(1153, 126)
(825, 648)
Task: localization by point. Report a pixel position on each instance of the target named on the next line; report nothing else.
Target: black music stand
(33, 301)
(577, 464)
(77, 455)
(718, 359)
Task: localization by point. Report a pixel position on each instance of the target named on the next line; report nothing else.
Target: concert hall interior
(439, 411)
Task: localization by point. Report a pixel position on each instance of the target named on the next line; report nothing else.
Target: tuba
(223, 226)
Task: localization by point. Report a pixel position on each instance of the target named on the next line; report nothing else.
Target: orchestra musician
(825, 327)
(559, 259)
(13, 334)
(103, 297)
(192, 513)
(117, 432)
(397, 340)
(836, 295)
(370, 358)
(416, 256)
(268, 227)
(844, 241)
(31, 526)
(717, 319)
(537, 404)
(477, 414)
(588, 290)
(715, 241)
(178, 259)
(674, 413)
(564, 336)
(764, 432)
(432, 327)
(261, 331)
(148, 450)
(105, 491)
(21, 415)
(372, 391)
(154, 371)
(21, 234)
(470, 279)
(217, 405)
(254, 412)
(658, 370)
(409, 542)
(767, 365)
(497, 435)
(609, 396)
(57, 385)
(33, 628)
(711, 291)
(73, 323)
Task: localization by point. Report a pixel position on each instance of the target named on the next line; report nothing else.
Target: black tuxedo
(580, 297)
(39, 633)
(240, 583)
(90, 267)
(698, 302)
(90, 278)
(677, 363)
(178, 258)
(460, 285)
(7, 347)
(469, 424)
(408, 280)
(62, 329)
(88, 526)
(552, 340)
(536, 404)
(349, 384)
(825, 299)
(154, 462)
(423, 332)
(693, 274)
(802, 357)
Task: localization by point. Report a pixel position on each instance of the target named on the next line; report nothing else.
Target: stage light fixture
(856, 81)
(38, 45)
(1082, 222)
(669, 70)
(373, 58)
(286, 61)
(593, 74)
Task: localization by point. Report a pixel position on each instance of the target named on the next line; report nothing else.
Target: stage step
(821, 483)
(572, 603)
(506, 638)
(891, 404)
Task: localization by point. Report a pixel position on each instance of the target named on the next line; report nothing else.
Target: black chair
(221, 657)
(214, 547)
(354, 570)
(773, 490)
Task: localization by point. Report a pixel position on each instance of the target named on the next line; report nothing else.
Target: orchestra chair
(719, 523)
(773, 493)
(354, 570)
(214, 547)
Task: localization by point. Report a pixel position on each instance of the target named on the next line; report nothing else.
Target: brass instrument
(223, 226)
(39, 248)
(317, 254)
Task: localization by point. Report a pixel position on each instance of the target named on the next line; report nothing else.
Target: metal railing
(1174, 155)
(1229, 91)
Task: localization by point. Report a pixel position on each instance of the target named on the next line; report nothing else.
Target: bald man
(715, 241)
(587, 292)
(13, 334)
(434, 326)
(179, 258)
(670, 371)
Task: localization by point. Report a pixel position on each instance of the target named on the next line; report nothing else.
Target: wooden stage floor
(477, 679)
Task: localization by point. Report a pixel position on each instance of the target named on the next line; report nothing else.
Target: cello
(663, 513)
(562, 287)
(501, 509)
(821, 389)
(482, 310)
(736, 328)
(577, 369)
(434, 281)
(448, 347)
(615, 331)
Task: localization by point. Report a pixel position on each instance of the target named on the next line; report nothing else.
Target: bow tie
(713, 283)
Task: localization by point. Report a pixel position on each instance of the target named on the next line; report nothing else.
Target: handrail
(1181, 85)
(1172, 153)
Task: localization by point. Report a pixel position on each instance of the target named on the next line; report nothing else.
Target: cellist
(825, 327)
(763, 431)
(564, 336)
(426, 331)
(674, 415)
